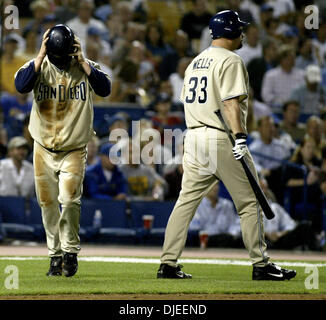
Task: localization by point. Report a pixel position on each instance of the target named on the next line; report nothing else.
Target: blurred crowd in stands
(145, 47)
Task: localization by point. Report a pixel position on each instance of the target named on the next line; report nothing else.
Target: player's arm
(233, 90)
(97, 79)
(26, 77)
(232, 114)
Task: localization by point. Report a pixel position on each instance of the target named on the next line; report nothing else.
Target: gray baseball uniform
(215, 75)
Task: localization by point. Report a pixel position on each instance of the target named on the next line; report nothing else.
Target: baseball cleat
(55, 267)
(168, 272)
(70, 264)
(272, 272)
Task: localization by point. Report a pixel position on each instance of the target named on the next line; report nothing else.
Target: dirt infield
(145, 251)
(170, 297)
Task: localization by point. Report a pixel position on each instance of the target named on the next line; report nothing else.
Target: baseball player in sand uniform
(217, 80)
(61, 124)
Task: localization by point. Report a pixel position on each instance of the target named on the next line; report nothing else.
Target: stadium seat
(161, 212)
(115, 226)
(14, 218)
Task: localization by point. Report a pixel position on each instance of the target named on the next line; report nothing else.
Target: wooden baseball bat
(261, 198)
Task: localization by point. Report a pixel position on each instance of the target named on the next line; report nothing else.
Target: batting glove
(240, 147)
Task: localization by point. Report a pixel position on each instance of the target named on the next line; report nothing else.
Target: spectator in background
(49, 21)
(290, 122)
(272, 26)
(279, 82)
(244, 13)
(66, 11)
(123, 43)
(195, 21)
(124, 10)
(305, 56)
(92, 151)
(134, 77)
(15, 106)
(176, 78)
(319, 44)
(153, 152)
(265, 15)
(39, 8)
(121, 121)
(180, 49)
(163, 118)
(143, 182)
(84, 20)
(268, 154)
(104, 180)
(104, 9)
(268, 146)
(306, 156)
(282, 8)
(257, 67)
(16, 174)
(94, 35)
(283, 232)
(252, 47)
(155, 43)
(282, 136)
(31, 44)
(314, 130)
(311, 95)
(217, 216)
(9, 64)
(115, 28)
(259, 108)
(93, 51)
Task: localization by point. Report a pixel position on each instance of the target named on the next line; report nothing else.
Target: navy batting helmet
(60, 45)
(226, 24)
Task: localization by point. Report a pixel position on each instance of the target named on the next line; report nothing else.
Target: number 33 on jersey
(213, 76)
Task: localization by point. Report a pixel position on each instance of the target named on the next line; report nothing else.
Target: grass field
(96, 277)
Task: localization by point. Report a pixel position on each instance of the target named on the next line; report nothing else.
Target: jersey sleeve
(232, 81)
(99, 80)
(25, 77)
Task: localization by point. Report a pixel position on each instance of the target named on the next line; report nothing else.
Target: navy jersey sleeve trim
(26, 78)
(99, 82)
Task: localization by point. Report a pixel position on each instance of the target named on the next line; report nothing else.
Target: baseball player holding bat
(61, 124)
(217, 80)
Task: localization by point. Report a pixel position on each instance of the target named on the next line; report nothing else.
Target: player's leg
(251, 216)
(71, 177)
(194, 187)
(46, 185)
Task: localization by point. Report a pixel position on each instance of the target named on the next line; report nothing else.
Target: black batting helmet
(60, 45)
(226, 24)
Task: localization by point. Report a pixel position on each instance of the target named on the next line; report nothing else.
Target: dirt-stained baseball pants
(207, 157)
(58, 181)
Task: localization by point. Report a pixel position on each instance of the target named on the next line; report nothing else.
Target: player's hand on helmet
(42, 52)
(240, 148)
(78, 52)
